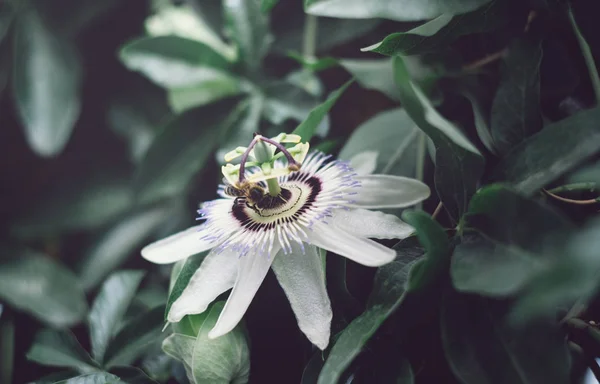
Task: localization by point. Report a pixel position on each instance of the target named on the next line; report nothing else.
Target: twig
(485, 60)
(437, 211)
(571, 201)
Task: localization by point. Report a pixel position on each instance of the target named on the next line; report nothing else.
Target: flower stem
(274, 188)
(587, 56)
(309, 40)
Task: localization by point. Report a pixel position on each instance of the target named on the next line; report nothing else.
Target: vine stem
(587, 55)
(309, 40)
(420, 163)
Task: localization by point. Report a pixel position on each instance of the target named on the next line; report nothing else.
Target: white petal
(302, 278)
(374, 224)
(359, 249)
(215, 275)
(177, 246)
(386, 191)
(364, 163)
(252, 270)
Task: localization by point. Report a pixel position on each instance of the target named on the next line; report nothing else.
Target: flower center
(297, 196)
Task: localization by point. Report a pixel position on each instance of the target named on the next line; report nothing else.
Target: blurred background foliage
(114, 119)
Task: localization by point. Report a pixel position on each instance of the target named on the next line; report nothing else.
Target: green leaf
(249, 113)
(60, 349)
(332, 33)
(516, 107)
(181, 279)
(311, 371)
(437, 34)
(459, 165)
(482, 348)
(437, 246)
(387, 295)
(134, 338)
(548, 154)
(56, 377)
(392, 134)
(217, 87)
(506, 217)
(399, 10)
(116, 244)
(75, 204)
(225, 359)
(267, 5)
(109, 307)
(373, 74)
(93, 378)
(36, 284)
(308, 127)
(173, 61)
(132, 375)
(249, 28)
(573, 278)
(493, 269)
(7, 345)
(181, 150)
(46, 84)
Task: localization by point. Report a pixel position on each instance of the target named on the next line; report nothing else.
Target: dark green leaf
(7, 345)
(459, 164)
(314, 64)
(113, 246)
(173, 61)
(181, 279)
(180, 150)
(388, 293)
(243, 128)
(209, 91)
(77, 204)
(482, 348)
(60, 349)
(437, 247)
(287, 101)
(134, 338)
(402, 10)
(516, 107)
(392, 135)
(109, 307)
(548, 154)
(489, 269)
(46, 84)
(132, 375)
(93, 378)
(225, 359)
(249, 28)
(308, 127)
(506, 217)
(438, 33)
(38, 285)
(373, 74)
(311, 371)
(574, 277)
(267, 5)
(56, 377)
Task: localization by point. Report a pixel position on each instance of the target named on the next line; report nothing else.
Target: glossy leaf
(392, 135)
(135, 337)
(57, 377)
(173, 61)
(112, 247)
(548, 154)
(308, 127)
(438, 33)
(482, 348)
(38, 285)
(45, 83)
(108, 308)
(76, 204)
(387, 295)
(288, 101)
(181, 275)
(248, 26)
(225, 359)
(180, 150)
(373, 74)
(267, 5)
(60, 349)
(212, 89)
(516, 107)
(403, 10)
